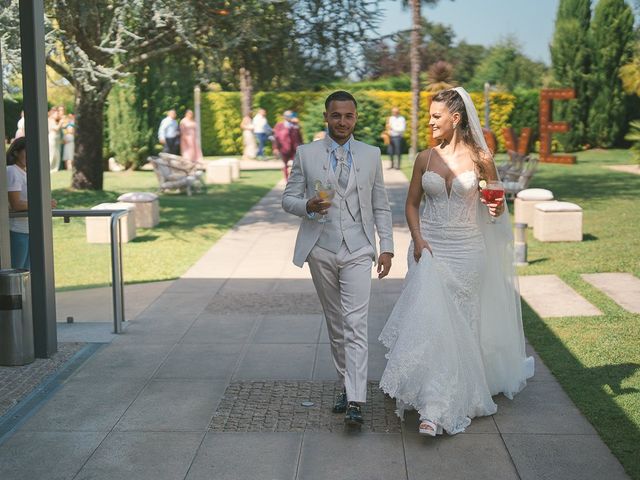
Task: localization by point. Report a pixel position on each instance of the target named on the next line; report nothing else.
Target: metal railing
(117, 283)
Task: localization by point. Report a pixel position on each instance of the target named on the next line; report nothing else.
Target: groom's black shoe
(353, 415)
(341, 403)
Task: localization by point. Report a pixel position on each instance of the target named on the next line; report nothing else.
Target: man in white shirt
(169, 133)
(261, 130)
(396, 126)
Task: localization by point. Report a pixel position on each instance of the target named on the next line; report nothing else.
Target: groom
(340, 251)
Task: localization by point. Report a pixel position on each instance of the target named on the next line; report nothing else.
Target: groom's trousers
(343, 283)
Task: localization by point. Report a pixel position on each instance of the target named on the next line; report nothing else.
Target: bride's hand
(418, 246)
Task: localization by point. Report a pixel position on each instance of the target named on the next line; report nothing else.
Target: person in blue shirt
(169, 133)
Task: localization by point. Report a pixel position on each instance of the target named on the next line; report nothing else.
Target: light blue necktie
(342, 167)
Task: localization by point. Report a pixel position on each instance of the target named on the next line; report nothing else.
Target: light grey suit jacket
(311, 163)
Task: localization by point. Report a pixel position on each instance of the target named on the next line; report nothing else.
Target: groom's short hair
(339, 96)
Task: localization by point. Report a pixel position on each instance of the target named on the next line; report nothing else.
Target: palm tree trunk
(415, 75)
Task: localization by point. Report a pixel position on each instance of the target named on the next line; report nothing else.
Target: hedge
(221, 134)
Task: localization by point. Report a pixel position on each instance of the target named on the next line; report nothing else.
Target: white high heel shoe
(429, 428)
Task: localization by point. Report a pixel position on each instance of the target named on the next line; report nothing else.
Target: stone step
(549, 296)
(623, 288)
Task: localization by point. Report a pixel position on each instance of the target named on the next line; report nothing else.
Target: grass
(188, 227)
(596, 359)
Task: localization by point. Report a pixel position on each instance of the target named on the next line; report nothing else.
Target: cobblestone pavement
(276, 406)
(18, 382)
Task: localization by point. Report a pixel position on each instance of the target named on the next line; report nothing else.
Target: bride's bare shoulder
(423, 157)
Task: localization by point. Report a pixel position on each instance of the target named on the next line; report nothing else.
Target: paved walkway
(207, 382)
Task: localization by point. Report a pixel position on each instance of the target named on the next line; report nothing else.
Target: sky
(485, 22)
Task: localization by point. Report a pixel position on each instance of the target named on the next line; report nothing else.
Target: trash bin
(16, 321)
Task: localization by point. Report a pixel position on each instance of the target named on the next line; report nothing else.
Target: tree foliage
(508, 68)
(612, 40)
(571, 55)
(389, 56)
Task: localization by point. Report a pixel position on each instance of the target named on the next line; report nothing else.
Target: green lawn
(188, 227)
(596, 359)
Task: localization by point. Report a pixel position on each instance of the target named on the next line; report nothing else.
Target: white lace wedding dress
(443, 361)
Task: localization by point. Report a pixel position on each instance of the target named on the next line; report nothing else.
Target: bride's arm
(412, 206)
(491, 173)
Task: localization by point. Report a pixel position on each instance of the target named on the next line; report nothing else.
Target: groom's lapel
(326, 152)
(356, 159)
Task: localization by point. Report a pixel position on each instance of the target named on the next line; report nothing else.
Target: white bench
(99, 228)
(147, 211)
(557, 222)
(525, 202)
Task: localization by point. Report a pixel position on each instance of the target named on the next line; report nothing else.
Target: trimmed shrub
(221, 134)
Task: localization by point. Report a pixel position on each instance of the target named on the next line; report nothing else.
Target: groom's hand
(317, 205)
(384, 264)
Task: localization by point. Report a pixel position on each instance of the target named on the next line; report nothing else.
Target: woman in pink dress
(189, 145)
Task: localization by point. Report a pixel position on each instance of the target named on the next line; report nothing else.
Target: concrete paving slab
(377, 360)
(86, 405)
(549, 296)
(478, 425)
(351, 456)
(242, 285)
(566, 457)
(121, 361)
(46, 455)
(189, 285)
(289, 329)
(268, 456)
(216, 328)
(635, 169)
(200, 361)
(323, 368)
(542, 372)
(172, 405)
(142, 456)
(623, 288)
(542, 408)
(459, 457)
(96, 304)
(276, 362)
(177, 306)
(89, 332)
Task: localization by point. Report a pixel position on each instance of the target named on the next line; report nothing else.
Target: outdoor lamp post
(520, 244)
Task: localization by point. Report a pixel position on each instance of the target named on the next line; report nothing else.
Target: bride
(455, 335)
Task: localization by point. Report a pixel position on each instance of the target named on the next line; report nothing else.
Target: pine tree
(571, 58)
(612, 40)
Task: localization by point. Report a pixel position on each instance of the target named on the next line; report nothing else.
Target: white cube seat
(219, 171)
(234, 163)
(99, 228)
(147, 211)
(557, 222)
(525, 203)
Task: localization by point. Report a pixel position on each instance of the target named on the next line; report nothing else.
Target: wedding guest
(396, 126)
(169, 133)
(18, 202)
(54, 125)
(287, 137)
(20, 126)
(69, 134)
(249, 147)
(189, 146)
(261, 130)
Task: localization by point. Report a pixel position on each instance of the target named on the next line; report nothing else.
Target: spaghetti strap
(426, 169)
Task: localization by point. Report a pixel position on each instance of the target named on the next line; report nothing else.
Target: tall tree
(101, 41)
(416, 20)
(506, 66)
(571, 56)
(612, 39)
